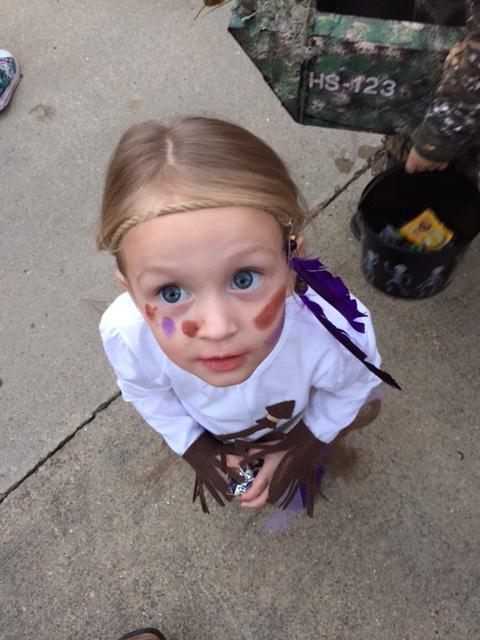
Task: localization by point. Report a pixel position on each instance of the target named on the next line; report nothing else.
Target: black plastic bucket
(395, 197)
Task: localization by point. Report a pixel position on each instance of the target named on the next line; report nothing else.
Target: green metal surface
(344, 71)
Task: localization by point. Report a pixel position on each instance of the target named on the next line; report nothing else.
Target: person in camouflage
(450, 131)
(449, 134)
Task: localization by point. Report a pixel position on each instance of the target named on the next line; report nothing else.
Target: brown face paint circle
(190, 328)
(267, 316)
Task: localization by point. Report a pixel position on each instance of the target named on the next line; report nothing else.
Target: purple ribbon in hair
(332, 289)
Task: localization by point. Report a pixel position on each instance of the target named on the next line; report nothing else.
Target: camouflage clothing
(344, 70)
(452, 122)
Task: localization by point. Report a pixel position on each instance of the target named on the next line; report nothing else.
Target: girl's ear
(293, 276)
(122, 280)
(299, 251)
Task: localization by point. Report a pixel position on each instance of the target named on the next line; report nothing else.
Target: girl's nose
(216, 320)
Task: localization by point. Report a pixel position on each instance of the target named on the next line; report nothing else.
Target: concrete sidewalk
(97, 531)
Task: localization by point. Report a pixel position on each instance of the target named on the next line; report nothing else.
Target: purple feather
(331, 288)
(345, 340)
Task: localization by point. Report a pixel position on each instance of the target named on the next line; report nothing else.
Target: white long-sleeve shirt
(307, 365)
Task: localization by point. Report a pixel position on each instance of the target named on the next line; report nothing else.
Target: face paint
(150, 312)
(272, 340)
(266, 317)
(168, 326)
(190, 328)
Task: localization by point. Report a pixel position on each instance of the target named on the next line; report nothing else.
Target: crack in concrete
(101, 407)
(358, 174)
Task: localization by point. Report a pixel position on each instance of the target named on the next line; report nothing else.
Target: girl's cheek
(270, 311)
(274, 337)
(168, 326)
(166, 323)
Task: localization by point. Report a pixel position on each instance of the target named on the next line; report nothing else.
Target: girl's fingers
(258, 487)
(259, 501)
(257, 494)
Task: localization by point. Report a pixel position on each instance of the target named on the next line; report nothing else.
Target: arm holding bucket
(453, 119)
(416, 162)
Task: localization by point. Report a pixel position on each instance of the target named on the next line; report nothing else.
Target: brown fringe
(305, 454)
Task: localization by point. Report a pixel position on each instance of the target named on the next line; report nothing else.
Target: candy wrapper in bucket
(237, 488)
(427, 231)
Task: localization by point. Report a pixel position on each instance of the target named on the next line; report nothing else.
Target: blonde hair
(195, 163)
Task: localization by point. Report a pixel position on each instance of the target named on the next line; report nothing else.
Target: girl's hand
(416, 162)
(257, 494)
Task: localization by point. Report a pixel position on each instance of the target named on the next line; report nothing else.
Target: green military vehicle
(349, 64)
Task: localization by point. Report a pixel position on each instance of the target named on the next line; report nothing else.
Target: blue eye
(173, 293)
(246, 279)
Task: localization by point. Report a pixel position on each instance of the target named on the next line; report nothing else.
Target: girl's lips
(229, 363)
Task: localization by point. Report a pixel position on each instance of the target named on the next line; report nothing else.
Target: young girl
(218, 341)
